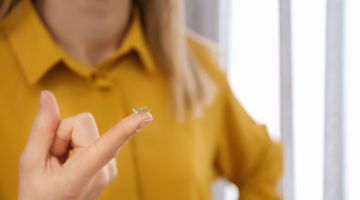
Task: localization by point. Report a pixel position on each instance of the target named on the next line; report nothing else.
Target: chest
(167, 151)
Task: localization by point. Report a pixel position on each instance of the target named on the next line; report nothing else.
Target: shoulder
(207, 53)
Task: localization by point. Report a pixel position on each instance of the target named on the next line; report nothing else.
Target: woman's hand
(66, 159)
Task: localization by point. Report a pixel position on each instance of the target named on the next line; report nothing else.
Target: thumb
(44, 127)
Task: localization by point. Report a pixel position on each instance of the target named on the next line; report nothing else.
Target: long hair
(165, 31)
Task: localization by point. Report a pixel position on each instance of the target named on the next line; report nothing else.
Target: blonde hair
(165, 30)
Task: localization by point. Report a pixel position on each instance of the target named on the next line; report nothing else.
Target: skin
(89, 31)
(46, 169)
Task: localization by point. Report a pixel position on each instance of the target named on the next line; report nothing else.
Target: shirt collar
(30, 41)
(36, 51)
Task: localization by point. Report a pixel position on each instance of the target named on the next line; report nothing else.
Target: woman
(105, 58)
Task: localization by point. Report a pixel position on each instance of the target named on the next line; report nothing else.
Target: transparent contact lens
(141, 110)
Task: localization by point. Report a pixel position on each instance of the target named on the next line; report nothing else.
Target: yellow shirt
(168, 159)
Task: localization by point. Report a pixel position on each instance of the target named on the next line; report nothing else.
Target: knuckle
(85, 116)
(84, 119)
(67, 121)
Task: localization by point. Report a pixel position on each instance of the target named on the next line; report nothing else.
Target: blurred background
(295, 66)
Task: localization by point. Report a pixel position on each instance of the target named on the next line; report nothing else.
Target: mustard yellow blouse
(168, 159)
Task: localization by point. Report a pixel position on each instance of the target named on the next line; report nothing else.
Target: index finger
(106, 147)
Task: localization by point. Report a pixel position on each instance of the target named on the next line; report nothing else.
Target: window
(254, 77)
(253, 66)
(352, 99)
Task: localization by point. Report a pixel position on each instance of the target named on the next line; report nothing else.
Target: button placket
(101, 80)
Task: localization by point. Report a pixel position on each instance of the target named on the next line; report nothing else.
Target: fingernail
(147, 119)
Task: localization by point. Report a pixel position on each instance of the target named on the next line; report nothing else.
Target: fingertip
(49, 103)
(130, 126)
(48, 115)
(137, 121)
(146, 118)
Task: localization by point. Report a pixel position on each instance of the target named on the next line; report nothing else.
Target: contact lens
(141, 110)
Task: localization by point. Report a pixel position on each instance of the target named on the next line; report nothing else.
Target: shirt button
(101, 81)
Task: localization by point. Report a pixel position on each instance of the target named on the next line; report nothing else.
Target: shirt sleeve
(246, 154)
